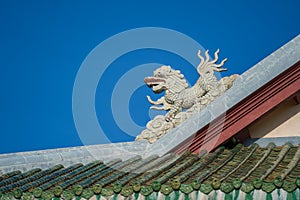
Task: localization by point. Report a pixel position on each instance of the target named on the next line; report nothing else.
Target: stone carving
(182, 101)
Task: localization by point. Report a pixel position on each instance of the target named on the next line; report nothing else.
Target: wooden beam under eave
(297, 98)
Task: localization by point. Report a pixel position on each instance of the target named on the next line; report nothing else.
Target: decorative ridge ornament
(182, 101)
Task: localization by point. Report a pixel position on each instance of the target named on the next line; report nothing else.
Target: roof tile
(241, 168)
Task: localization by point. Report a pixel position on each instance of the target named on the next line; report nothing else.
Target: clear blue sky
(43, 44)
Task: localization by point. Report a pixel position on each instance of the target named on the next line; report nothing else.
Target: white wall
(283, 121)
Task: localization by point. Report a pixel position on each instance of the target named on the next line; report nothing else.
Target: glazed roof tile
(245, 168)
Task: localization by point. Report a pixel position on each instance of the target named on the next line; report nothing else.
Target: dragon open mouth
(154, 83)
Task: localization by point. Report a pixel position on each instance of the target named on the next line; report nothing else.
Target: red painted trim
(254, 106)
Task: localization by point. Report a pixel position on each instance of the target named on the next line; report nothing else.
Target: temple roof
(245, 168)
(178, 163)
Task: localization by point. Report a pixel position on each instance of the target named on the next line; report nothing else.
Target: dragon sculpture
(182, 101)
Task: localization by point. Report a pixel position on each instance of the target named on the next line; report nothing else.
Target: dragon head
(166, 78)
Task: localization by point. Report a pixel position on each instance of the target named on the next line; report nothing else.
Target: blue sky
(43, 44)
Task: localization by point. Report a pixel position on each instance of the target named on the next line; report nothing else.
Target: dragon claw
(169, 117)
